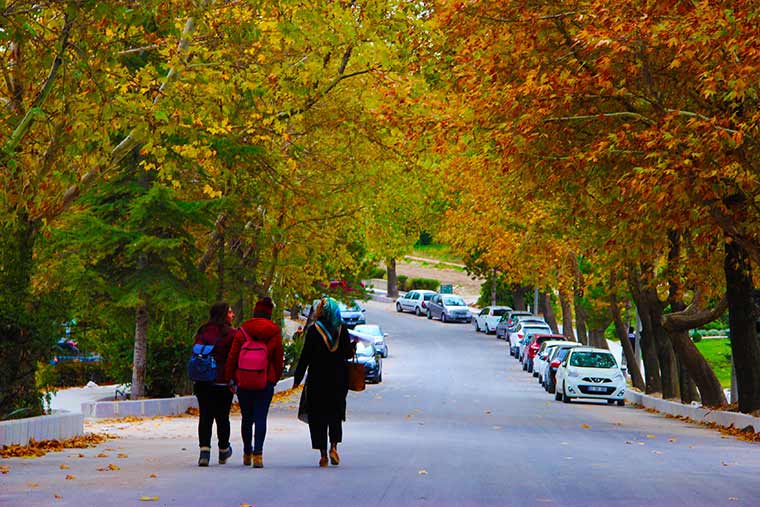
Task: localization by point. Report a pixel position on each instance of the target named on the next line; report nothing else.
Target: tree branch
(693, 316)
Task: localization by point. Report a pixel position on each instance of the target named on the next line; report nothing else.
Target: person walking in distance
(254, 366)
(214, 398)
(325, 351)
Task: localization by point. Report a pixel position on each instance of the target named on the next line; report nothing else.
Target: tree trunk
(745, 347)
(545, 307)
(140, 358)
(648, 347)
(580, 312)
(597, 339)
(518, 298)
(220, 269)
(390, 265)
(567, 315)
(493, 287)
(665, 352)
(689, 391)
(622, 333)
(698, 369)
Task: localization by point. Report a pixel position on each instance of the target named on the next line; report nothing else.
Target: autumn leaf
(122, 456)
(102, 455)
(56, 495)
(152, 476)
(672, 440)
(4, 469)
(148, 498)
(64, 467)
(109, 468)
(32, 485)
(422, 472)
(585, 426)
(70, 477)
(651, 436)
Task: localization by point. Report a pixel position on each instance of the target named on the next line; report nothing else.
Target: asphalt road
(455, 422)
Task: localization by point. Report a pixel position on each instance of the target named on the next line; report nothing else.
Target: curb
(696, 413)
(60, 425)
(152, 407)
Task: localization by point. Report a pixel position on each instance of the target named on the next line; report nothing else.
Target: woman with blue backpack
(254, 366)
(207, 368)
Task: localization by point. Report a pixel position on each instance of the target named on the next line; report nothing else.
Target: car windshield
(499, 312)
(353, 307)
(427, 297)
(364, 349)
(592, 360)
(453, 301)
(369, 329)
(531, 330)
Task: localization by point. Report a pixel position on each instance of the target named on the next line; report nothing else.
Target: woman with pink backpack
(254, 365)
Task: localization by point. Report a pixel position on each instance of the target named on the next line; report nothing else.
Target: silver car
(448, 308)
(414, 301)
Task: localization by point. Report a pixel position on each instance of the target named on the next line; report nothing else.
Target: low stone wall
(699, 414)
(59, 425)
(151, 407)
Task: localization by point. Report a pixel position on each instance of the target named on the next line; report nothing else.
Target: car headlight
(572, 373)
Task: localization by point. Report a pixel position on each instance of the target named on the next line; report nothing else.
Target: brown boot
(334, 457)
(323, 461)
(247, 459)
(258, 461)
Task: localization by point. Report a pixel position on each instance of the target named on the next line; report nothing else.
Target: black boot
(225, 454)
(205, 457)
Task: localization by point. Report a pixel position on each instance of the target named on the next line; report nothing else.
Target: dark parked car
(532, 348)
(559, 354)
(508, 320)
(367, 354)
(448, 308)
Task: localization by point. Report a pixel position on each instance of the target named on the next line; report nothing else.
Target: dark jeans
(214, 404)
(320, 428)
(254, 407)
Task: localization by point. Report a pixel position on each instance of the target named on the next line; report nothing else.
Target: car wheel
(380, 378)
(565, 397)
(621, 403)
(443, 316)
(398, 308)
(550, 387)
(610, 402)
(477, 327)
(557, 395)
(429, 315)
(488, 331)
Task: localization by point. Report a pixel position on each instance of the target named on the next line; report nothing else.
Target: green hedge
(402, 282)
(71, 374)
(377, 273)
(423, 283)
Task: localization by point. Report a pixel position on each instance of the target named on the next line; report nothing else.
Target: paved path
(456, 422)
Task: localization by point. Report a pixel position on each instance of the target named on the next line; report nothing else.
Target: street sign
(447, 288)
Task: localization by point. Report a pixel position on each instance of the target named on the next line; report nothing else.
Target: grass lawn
(718, 354)
(436, 251)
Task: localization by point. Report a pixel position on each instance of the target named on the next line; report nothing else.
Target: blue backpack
(202, 365)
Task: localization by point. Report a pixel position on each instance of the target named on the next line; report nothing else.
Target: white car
(414, 301)
(590, 373)
(539, 362)
(488, 318)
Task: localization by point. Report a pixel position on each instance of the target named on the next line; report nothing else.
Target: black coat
(327, 383)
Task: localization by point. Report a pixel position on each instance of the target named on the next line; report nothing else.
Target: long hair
(218, 314)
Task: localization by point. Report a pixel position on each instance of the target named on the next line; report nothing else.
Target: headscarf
(328, 322)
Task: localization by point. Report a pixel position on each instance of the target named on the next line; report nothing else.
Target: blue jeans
(254, 407)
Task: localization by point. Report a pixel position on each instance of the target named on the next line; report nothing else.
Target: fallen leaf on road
(733, 498)
(422, 472)
(64, 467)
(4, 469)
(585, 426)
(672, 440)
(56, 495)
(122, 455)
(148, 498)
(488, 412)
(109, 468)
(32, 485)
(245, 505)
(152, 476)
(498, 427)
(102, 455)
(651, 436)
(80, 455)
(70, 477)
(641, 443)
(628, 442)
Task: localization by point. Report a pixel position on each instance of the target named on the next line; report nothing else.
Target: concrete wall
(697, 413)
(60, 425)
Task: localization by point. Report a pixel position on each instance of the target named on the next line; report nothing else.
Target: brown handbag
(355, 376)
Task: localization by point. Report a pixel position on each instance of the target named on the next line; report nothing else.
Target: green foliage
(402, 279)
(70, 374)
(423, 283)
(377, 272)
(166, 374)
(292, 352)
(503, 291)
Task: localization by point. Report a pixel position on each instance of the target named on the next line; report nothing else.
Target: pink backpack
(252, 364)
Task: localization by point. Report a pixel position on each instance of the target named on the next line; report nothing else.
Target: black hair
(218, 314)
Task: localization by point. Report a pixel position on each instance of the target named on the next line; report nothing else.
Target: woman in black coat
(325, 351)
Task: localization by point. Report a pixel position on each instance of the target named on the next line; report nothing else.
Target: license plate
(597, 389)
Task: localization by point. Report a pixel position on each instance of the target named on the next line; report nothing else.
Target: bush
(424, 283)
(377, 272)
(166, 374)
(402, 282)
(70, 374)
(292, 352)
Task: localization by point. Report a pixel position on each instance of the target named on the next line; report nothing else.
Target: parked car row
(568, 369)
